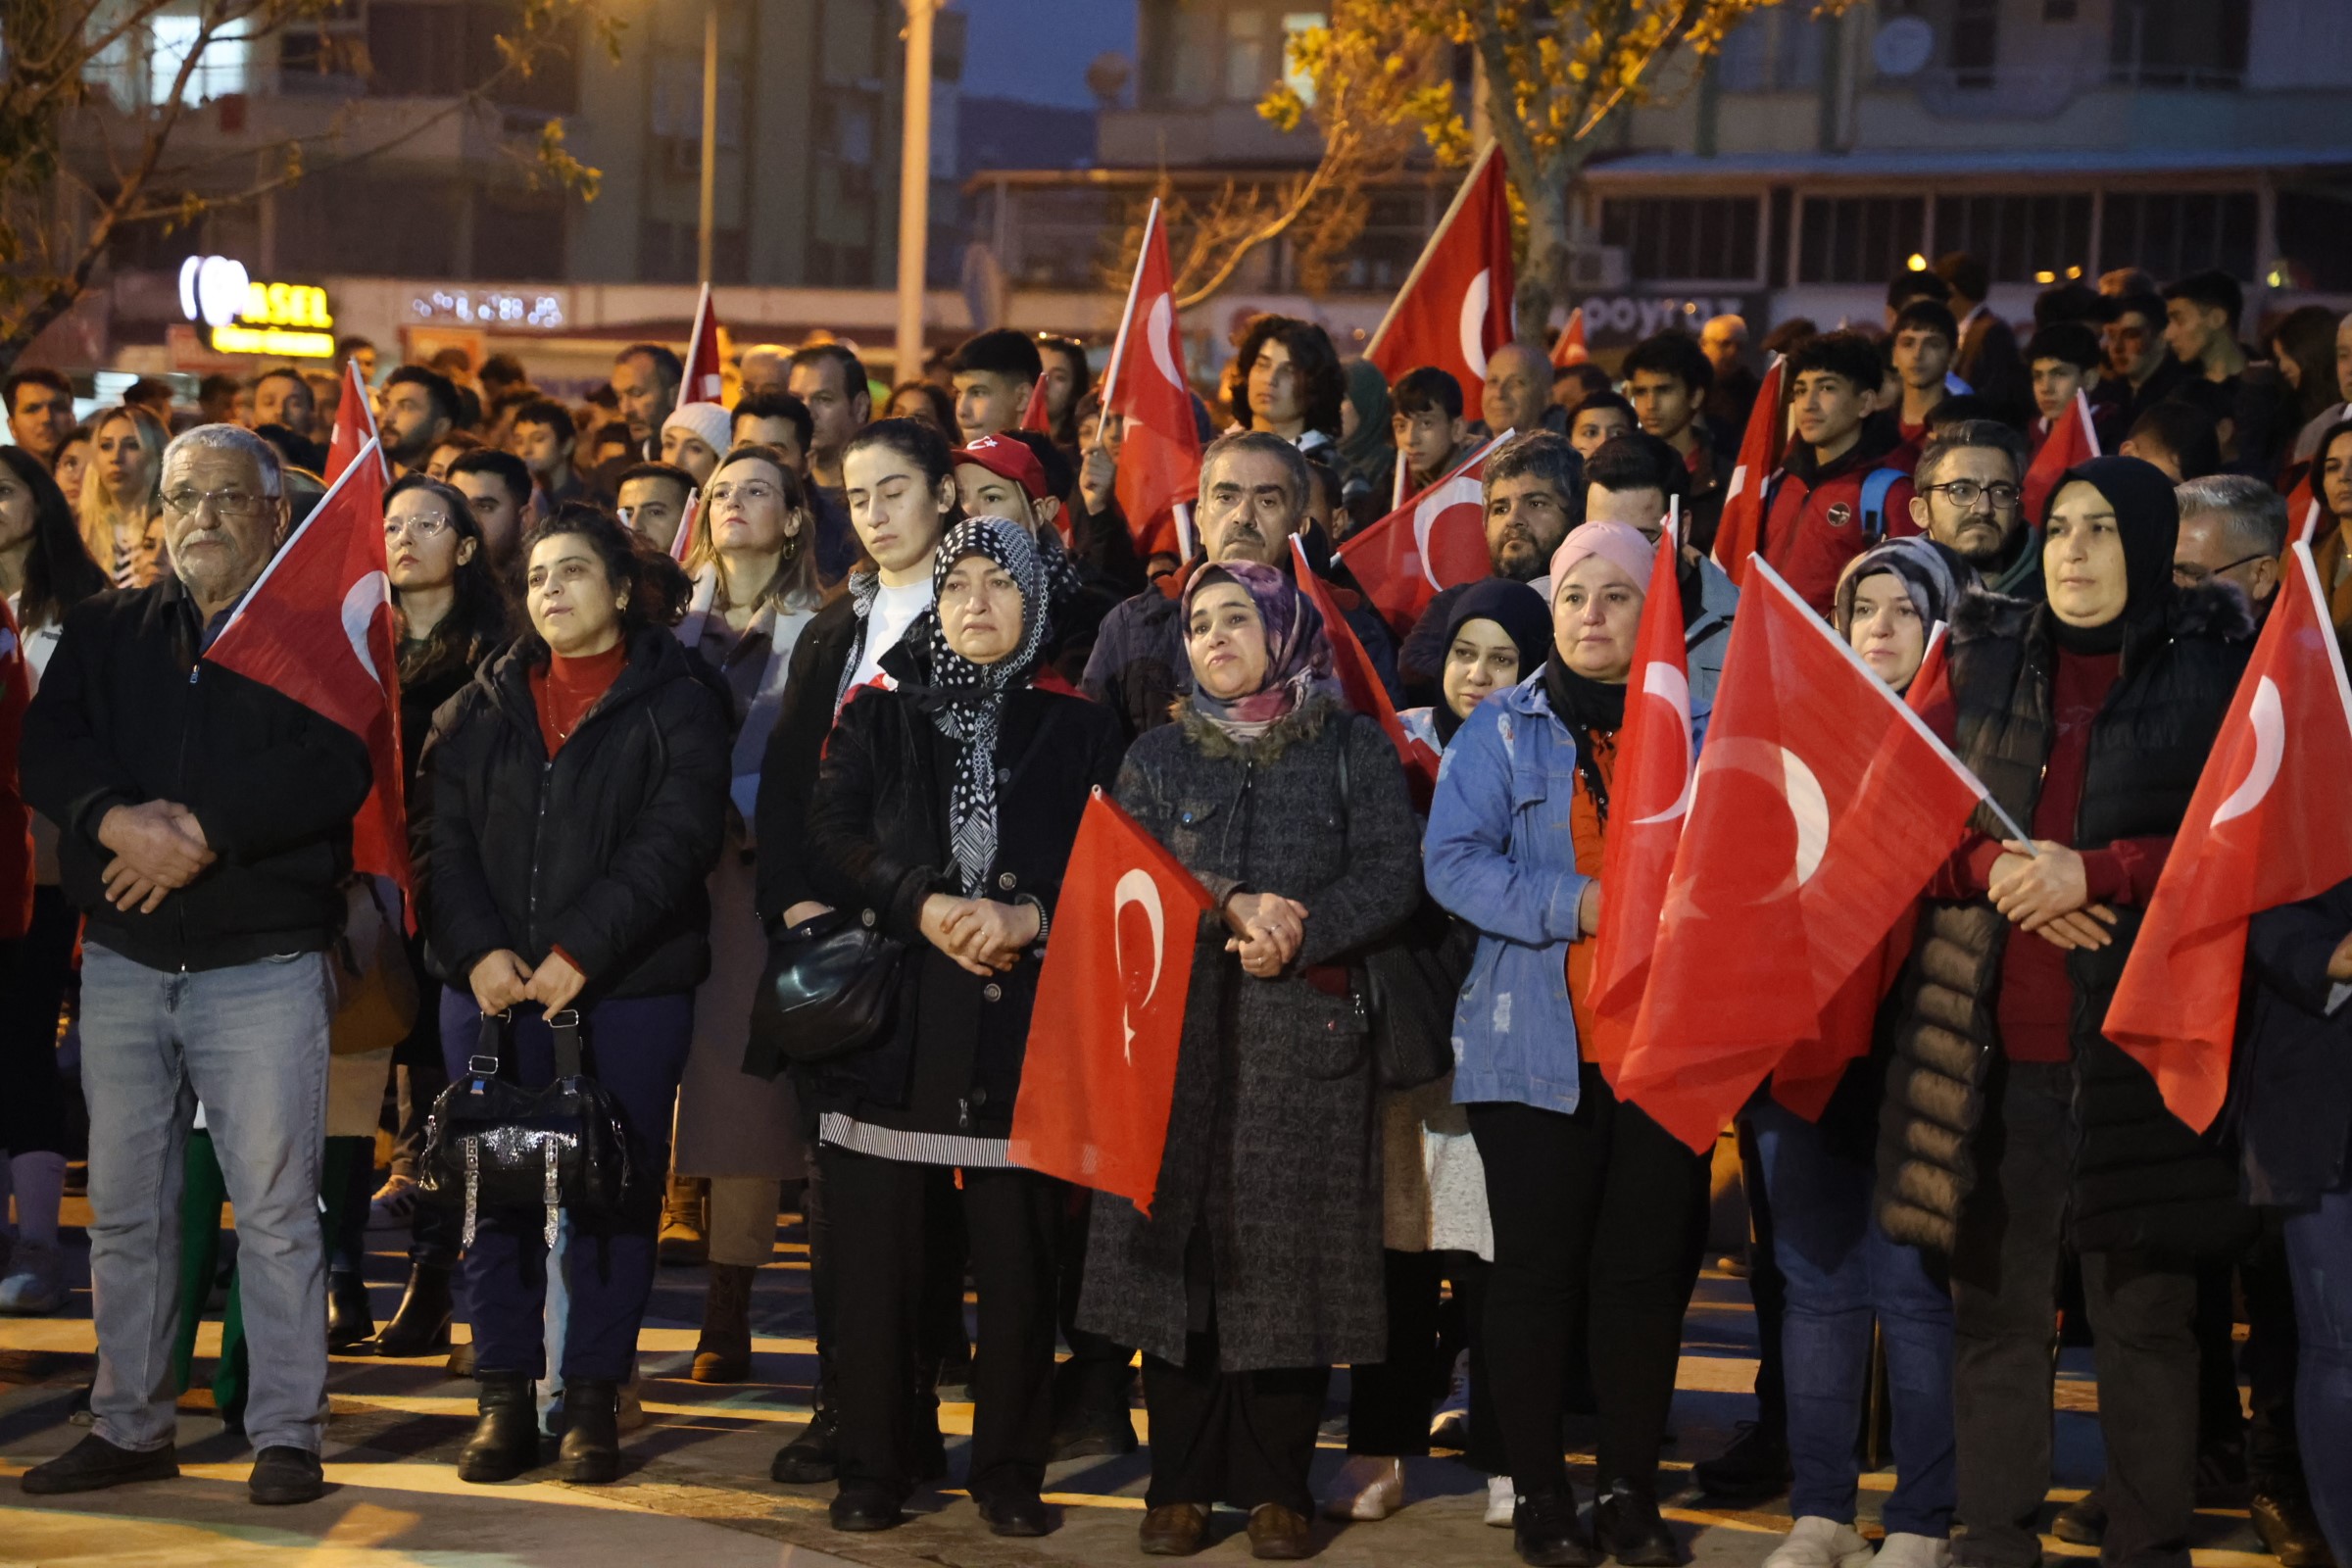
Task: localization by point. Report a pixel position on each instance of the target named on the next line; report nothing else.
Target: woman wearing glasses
(756, 589)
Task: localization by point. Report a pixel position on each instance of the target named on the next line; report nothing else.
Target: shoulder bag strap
(566, 1026)
(483, 1064)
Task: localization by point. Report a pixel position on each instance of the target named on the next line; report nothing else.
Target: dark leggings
(34, 972)
(1600, 1219)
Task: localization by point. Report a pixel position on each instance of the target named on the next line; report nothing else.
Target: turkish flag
(1035, 416)
(1569, 347)
(1101, 1070)
(319, 625)
(2303, 511)
(1650, 796)
(706, 381)
(1436, 540)
(1740, 532)
(1359, 682)
(1820, 807)
(2072, 440)
(1455, 307)
(355, 426)
(1159, 453)
(690, 519)
(2267, 826)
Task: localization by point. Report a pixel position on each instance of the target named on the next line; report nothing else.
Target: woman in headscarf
(1814, 1126)
(1436, 1231)
(1598, 1212)
(944, 806)
(1259, 1264)
(1366, 454)
(2012, 1129)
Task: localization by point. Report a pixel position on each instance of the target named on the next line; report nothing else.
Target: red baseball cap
(1006, 458)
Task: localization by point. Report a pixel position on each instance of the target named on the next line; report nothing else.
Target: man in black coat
(205, 826)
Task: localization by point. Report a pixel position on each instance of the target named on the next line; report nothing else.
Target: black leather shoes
(1544, 1532)
(2289, 1529)
(810, 1459)
(591, 1450)
(506, 1441)
(420, 1325)
(1020, 1513)
(861, 1506)
(1627, 1526)
(1753, 1469)
(93, 1464)
(284, 1474)
(350, 1320)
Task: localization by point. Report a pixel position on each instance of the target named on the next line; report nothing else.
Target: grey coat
(1273, 1151)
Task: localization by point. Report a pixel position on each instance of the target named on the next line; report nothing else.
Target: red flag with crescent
(1569, 347)
(1819, 806)
(1455, 307)
(318, 625)
(1740, 532)
(705, 380)
(1359, 682)
(1436, 540)
(1650, 796)
(2267, 826)
(1036, 417)
(1160, 452)
(355, 425)
(1101, 1070)
(2072, 440)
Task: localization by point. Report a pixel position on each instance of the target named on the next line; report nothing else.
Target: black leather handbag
(827, 990)
(1406, 984)
(491, 1143)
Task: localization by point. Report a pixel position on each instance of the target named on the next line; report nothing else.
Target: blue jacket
(1499, 853)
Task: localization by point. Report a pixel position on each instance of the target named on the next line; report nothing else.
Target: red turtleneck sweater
(567, 688)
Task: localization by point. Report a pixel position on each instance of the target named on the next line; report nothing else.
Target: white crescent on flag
(2270, 751)
(1474, 321)
(1809, 806)
(1458, 491)
(361, 602)
(1136, 887)
(1668, 685)
(1156, 331)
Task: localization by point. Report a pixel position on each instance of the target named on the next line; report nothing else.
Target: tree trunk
(1545, 278)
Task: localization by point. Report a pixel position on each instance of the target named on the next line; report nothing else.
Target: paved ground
(696, 1493)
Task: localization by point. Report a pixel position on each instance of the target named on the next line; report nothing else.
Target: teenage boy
(995, 372)
(542, 437)
(2141, 370)
(1428, 425)
(1922, 346)
(1841, 488)
(1667, 379)
(1598, 419)
(2064, 359)
(2200, 325)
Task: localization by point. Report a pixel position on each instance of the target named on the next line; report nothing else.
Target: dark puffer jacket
(2142, 1180)
(601, 851)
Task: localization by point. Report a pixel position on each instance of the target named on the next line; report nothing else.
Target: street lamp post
(708, 215)
(915, 188)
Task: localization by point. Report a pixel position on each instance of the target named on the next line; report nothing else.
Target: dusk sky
(1039, 49)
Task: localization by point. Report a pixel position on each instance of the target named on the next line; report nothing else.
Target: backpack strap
(1876, 486)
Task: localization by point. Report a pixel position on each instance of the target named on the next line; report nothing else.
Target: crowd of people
(904, 645)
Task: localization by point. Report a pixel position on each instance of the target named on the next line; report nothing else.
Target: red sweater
(567, 688)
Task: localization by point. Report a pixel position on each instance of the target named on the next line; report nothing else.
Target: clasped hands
(2044, 888)
(502, 979)
(1267, 930)
(159, 846)
(983, 937)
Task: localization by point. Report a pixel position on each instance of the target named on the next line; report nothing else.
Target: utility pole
(708, 214)
(915, 188)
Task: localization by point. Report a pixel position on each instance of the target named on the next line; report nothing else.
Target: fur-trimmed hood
(1301, 723)
(2213, 612)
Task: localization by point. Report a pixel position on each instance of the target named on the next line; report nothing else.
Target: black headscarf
(1514, 606)
(1591, 709)
(2147, 519)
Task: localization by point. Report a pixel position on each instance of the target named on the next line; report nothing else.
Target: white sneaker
(1502, 1503)
(1366, 1488)
(393, 1206)
(36, 1285)
(1818, 1543)
(1903, 1550)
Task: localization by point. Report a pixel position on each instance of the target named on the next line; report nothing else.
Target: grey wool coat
(1273, 1147)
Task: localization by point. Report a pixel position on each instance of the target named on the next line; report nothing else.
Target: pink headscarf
(1620, 544)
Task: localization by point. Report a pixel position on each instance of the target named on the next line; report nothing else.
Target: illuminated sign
(489, 307)
(244, 316)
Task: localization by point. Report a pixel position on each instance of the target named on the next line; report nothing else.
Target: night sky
(1039, 49)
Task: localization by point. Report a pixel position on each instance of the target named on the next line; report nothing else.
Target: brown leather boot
(723, 1354)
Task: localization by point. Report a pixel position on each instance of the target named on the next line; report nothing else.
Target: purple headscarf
(1297, 649)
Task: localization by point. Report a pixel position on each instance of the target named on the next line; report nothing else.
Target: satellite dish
(1107, 77)
(1903, 46)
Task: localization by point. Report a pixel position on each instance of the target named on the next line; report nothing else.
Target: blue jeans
(1841, 1270)
(2319, 1252)
(250, 1042)
(635, 1048)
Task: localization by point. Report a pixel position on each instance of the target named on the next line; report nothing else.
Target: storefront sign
(1623, 320)
(244, 316)
(498, 308)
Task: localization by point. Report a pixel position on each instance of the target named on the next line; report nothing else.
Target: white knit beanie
(707, 422)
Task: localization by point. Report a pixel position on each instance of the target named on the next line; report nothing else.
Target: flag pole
(1118, 347)
(1461, 194)
(702, 324)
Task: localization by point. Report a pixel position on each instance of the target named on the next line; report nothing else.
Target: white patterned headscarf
(967, 701)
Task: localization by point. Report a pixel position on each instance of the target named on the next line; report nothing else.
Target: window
(222, 68)
(1975, 41)
(1684, 239)
(1857, 239)
(2172, 233)
(2022, 239)
(1247, 71)
(677, 102)
(1772, 51)
(2178, 43)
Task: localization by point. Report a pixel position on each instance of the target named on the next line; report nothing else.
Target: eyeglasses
(748, 490)
(238, 504)
(416, 528)
(2188, 574)
(1964, 493)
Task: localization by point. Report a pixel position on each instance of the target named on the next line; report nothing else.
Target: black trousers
(2005, 1272)
(1241, 1438)
(1765, 1288)
(34, 972)
(1097, 1380)
(878, 1211)
(1600, 1219)
(1389, 1402)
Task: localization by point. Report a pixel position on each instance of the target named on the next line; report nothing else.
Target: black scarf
(1590, 710)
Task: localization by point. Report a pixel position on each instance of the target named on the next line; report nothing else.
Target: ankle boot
(684, 1240)
(420, 1325)
(591, 1452)
(723, 1354)
(505, 1442)
(349, 1318)
(813, 1458)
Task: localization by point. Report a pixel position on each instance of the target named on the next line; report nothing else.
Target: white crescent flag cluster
(1459, 491)
(1136, 887)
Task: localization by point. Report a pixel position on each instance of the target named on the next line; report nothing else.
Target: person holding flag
(206, 825)
(2013, 1131)
(1259, 1264)
(1599, 1214)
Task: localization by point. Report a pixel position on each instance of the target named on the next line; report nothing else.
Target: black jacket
(788, 770)
(878, 839)
(2291, 1078)
(601, 851)
(2143, 1181)
(126, 714)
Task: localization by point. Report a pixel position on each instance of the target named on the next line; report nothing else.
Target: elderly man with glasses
(1966, 495)
(206, 831)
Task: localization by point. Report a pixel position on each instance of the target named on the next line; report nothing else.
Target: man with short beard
(1533, 495)
(420, 406)
(1965, 496)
